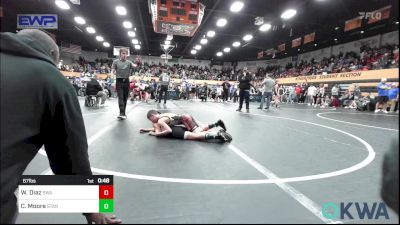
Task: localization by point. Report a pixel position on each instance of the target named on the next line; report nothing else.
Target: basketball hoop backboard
(167, 48)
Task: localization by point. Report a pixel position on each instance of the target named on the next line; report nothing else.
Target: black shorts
(178, 132)
(382, 99)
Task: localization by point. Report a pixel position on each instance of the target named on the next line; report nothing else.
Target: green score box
(106, 205)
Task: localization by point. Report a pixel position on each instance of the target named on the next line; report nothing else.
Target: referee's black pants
(163, 91)
(244, 95)
(122, 88)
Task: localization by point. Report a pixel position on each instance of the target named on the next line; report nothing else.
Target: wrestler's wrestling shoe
(224, 135)
(221, 124)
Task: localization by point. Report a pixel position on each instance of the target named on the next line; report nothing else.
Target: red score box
(106, 192)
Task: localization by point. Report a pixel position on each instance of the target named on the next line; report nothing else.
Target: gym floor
(282, 166)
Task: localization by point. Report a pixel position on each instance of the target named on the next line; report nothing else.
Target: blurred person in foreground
(46, 113)
(390, 177)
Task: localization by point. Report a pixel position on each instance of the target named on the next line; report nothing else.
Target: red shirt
(335, 102)
(297, 90)
(131, 86)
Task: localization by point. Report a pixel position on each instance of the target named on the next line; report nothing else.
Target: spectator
(267, 88)
(311, 92)
(109, 84)
(298, 93)
(383, 95)
(334, 102)
(94, 88)
(232, 91)
(49, 115)
(393, 97)
(226, 86)
(235, 93)
(335, 91)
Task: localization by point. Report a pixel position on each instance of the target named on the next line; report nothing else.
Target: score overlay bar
(66, 194)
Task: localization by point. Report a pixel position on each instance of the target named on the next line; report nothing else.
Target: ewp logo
(331, 210)
(37, 21)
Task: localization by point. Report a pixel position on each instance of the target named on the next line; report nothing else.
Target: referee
(122, 69)
(164, 83)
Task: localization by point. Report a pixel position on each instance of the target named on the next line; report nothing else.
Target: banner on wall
(353, 24)
(71, 48)
(309, 38)
(281, 47)
(296, 42)
(380, 14)
(344, 77)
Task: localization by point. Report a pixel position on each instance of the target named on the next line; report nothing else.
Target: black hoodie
(39, 107)
(244, 81)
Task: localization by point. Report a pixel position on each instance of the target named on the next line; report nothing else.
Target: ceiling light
(106, 44)
(120, 10)
(193, 52)
(127, 24)
(237, 6)
(211, 33)
(219, 54)
(236, 44)
(79, 20)
(197, 47)
(248, 37)
(397, 22)
(90, 30)
(221, 22)
(336, 28)
(335, 39)
(315, 44)
(362, 31)
(137, 47)
(135, 41)
(167, 42)
(265, 27)
(288, 14)
(62, 4)
(203, 41)
(227, 49)
(99, 38)
(298, 49)
(131, 33)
